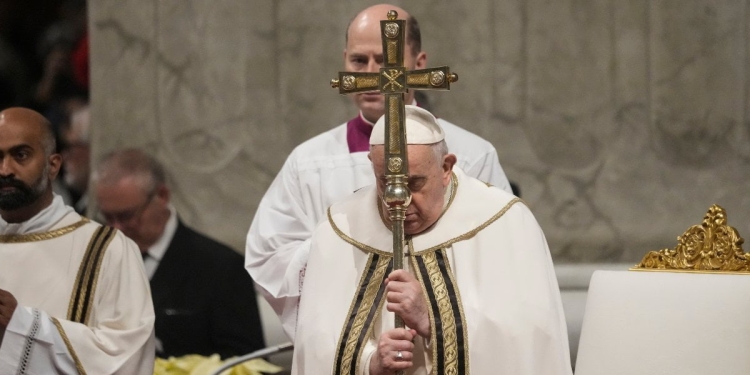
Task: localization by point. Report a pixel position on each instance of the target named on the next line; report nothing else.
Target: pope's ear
(449, 161)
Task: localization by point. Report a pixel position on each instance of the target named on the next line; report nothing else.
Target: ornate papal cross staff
(393, 81)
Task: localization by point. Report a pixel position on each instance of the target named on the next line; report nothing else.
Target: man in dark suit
(204, 300)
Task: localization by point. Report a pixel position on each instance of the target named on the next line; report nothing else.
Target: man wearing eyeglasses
(204, 300)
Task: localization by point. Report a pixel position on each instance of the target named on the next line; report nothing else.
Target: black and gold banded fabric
(364, 310)
(450, 344)
(450, 353)
(84, 289)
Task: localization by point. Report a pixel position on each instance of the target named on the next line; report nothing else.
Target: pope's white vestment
(105, 328)
(318, 173)
(487, 278)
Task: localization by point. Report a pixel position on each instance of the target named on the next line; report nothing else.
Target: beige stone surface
(622, 121)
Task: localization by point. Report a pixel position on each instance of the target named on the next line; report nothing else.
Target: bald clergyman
(478, 292)
(74, 298)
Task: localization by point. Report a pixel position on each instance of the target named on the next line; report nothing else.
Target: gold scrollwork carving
(394, 164)
(711, 246)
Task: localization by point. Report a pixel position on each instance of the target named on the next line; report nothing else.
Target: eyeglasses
(127, 216)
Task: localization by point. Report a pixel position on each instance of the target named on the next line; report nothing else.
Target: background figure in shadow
(204, 300)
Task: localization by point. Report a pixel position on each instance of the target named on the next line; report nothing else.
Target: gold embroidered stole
(364, 310)
(450, 344)
(84, 289)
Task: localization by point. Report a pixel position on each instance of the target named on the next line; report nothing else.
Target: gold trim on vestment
(108, 237)
(430, 315)
(354, 242)
(474, 231)
(360, 323)
(445, 313)
(72, 351)
(462, 237)
(34, 237)
(460, 304)
(88, 270)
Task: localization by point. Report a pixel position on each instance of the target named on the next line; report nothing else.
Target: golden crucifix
(393, 81)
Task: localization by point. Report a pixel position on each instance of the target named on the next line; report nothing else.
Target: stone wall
(622, 121)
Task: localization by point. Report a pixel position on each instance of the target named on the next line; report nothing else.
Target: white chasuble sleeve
(118, 337)
(516, 323)
(278, 245)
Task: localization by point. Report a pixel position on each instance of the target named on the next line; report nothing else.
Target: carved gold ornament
(394, 164)
(391, 30)
(437, 78)
(392, 75)
(711, 246)
(349, 82)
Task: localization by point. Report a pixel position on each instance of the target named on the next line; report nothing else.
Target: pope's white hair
(439, 150)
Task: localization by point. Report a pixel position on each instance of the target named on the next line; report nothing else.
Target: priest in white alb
(478, 293)
(74, 298)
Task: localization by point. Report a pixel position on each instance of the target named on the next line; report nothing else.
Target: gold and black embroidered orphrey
(82, 297)
(450, 342)
(449, 338)
(364, 310)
